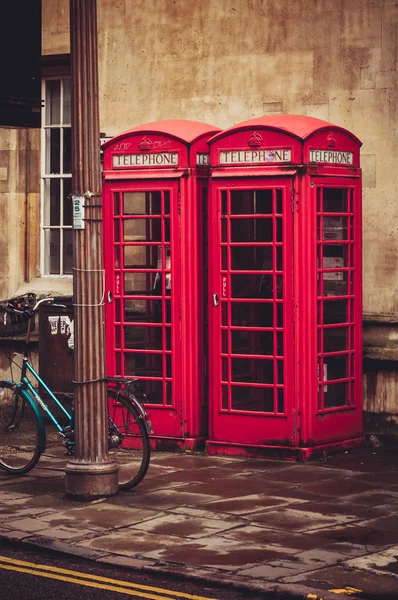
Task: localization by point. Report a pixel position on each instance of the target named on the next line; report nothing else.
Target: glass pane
(251, 202)
(335, 312)
(169, 393)
(139, 283)
(279, 343)
(52, 251)
(143, 338)
(144, 311)
(335, 283)
(68, 212)
(53, 151)
(68, 251)
(166, 200)
(251, 230)
(67, 149)
(252, 314)
(116, 199)
(335, 256)
(335, 200)
(143, 364)
(252, 370)
(334, 228)
(335, 367)
(281, 400)
(335, 339)
(252, 342)
(153, 391)
(224, 204)
(53, 102)
(148, 230)
(253, 258)
(67, 101)
(253, 399)
(142, 257)
(336, 394)
(224, 230)
(279, 230)
(224, 397)
(252, 286)
(141, 203)
(279, 205)
(52, 202)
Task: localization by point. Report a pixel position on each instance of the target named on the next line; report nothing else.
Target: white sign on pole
(78, 212)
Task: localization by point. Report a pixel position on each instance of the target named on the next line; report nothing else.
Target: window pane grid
(335, 290)
(142, 252)
(252, 271)
(56, 167)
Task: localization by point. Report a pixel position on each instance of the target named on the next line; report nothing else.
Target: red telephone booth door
(143, 329)
(251, 306)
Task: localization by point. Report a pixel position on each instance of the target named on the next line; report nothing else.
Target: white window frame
(48, 176)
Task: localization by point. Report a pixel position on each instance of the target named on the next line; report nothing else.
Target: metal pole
(90, 473)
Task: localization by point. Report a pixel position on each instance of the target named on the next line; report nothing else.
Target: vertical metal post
(90, 474)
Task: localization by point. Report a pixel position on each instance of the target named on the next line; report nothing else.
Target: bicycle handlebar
(20, 308)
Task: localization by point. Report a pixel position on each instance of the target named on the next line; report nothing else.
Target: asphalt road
(30, 576)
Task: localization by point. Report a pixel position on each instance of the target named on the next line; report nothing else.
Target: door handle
(215, 299)
(109, 296)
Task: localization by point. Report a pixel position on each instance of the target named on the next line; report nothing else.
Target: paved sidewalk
(285, 528)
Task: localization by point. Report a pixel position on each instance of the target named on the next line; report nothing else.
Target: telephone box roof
(298, 125)
(183, 130)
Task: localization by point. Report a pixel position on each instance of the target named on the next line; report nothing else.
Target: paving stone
(165, 499)
(215, 552)
(357, 534)
(102, 516)
(209, 475)
(339, 508)
(125, 561)
(130, 542)
(269, 571)
(66, 533)
(372, 586)
(228, 488)
(298, 520)
(247, 505)
(389, 523)
(36, 485)
(371, 498)
(187, 526)
(380, 563)
(351, 550)
(262, 536)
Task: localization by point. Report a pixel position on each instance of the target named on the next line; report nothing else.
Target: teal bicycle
(22, 425)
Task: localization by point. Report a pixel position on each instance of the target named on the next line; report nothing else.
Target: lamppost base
(89, 481)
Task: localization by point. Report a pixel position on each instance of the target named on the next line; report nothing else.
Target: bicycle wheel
(128, 440)
(20, 446)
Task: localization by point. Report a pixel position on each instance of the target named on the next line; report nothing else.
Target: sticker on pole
(78, 212)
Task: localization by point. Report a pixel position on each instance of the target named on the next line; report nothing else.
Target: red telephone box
(285, 288)
(155, 186)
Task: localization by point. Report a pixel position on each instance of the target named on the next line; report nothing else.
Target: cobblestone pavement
(324, 528)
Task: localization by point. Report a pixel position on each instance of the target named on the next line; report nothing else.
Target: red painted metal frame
(230, 424)
(315, 428)
(183, 424)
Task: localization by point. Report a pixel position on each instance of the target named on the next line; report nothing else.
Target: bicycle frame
(26, 389)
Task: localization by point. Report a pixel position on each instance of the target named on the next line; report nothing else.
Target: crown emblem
(255, 139)
(145, 144)
(331, 140)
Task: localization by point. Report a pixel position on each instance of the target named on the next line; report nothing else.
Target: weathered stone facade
(224, 61)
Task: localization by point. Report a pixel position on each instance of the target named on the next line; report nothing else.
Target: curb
(270, 591)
